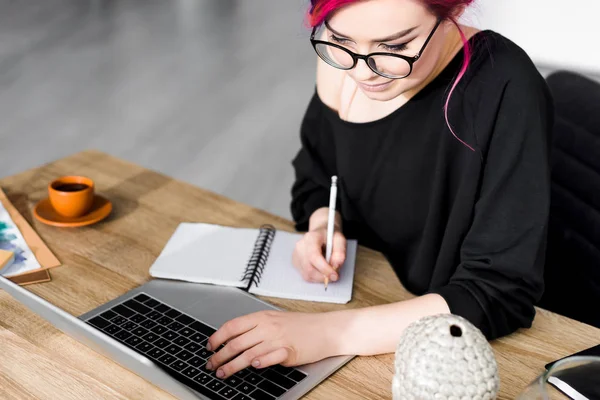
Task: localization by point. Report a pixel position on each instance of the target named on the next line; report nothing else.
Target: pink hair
(444, 9)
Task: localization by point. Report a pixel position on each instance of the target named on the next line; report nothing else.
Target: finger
(244, 360)
(275, 357)
(314, 276)
(233, 348)
(232, 329)
(338, 256)
(298, 256)
(315, 257)
(310, 273)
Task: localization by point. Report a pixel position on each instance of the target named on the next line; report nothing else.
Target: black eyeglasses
(388, 65)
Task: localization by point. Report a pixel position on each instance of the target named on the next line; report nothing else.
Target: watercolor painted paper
(11, 239)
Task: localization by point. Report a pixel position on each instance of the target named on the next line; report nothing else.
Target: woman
(442, 159)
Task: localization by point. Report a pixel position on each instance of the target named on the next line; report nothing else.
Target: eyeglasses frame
(356, 56)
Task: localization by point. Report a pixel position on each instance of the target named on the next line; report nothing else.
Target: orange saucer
(45, 213)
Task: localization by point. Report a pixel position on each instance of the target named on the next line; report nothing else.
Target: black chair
(572, 273)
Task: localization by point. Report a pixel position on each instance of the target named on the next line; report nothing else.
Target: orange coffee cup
(71, 196)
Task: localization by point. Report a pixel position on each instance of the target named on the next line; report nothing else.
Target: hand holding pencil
(324, 233)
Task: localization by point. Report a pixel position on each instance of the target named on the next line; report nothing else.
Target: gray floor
(211, 92)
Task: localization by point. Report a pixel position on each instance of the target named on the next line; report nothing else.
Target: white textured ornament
(444, 357)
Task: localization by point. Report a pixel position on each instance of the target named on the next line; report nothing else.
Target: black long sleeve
(502, 255)
(468, 225)
(313, 169)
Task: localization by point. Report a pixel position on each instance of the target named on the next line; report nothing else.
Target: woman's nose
(362, 72)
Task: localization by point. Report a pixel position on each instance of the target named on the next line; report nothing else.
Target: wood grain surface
(105, 260)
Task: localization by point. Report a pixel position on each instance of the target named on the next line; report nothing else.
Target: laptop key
(156, 353)
(197, 337)
(162, 343)
(296, 375)
(150, 337)
(200, 327)
(241, 396)
(154, 315)
(178, 365)
(184, 355)
(243, 373)
(172, 313)
(228, 392)
(246, 388)
(191, 372)
(164, 320)
(133, 341)
(215, 385)
(144, 346)
(99, 322)
(111, 329)
(193, 347)
(253, 379)
(181, 341)
(279, 379)
(138, 318)
(167, 359)
(204, 353)
(187, 332)
(271, 388)
(185, 319)
(203, 378)
(196, 362)
(148, 324)
(137, 306)
(162, 308)
(128, 326)
(170, 335)
(173, 349)
(175, 326)
(118, 320)
(150, 303)
(142, 297)
(124, 311)
(123, 335)
(233, 381)
(159, 329)
(139, 331)
(282, 370)
(108, 314)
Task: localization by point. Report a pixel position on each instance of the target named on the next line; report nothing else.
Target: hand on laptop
(267, 338)
(308, 255)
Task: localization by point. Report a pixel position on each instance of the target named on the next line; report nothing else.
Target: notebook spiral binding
(260, 254)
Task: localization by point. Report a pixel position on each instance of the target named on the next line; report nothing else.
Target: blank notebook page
(281, 279)
(206, 253)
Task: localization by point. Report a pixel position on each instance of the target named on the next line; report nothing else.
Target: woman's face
(391, 26)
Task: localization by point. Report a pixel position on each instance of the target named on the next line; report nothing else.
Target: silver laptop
(159, 331)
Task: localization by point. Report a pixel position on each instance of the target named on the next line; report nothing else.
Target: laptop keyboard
(177, 342)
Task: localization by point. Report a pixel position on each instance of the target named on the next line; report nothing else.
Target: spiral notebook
(256, 260)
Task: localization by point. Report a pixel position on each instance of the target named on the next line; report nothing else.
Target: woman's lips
(375, 88)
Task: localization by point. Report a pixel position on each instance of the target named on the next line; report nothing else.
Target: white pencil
(330, 223)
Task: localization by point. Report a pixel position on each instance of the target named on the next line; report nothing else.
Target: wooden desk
(107, 259)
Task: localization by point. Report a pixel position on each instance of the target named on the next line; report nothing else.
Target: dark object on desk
(581, 380)
(572, 276)
(592, 351)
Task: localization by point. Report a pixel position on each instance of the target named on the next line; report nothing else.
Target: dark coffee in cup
(71, 196)
(71, 187)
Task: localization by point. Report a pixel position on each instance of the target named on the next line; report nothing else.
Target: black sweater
(468, 225)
